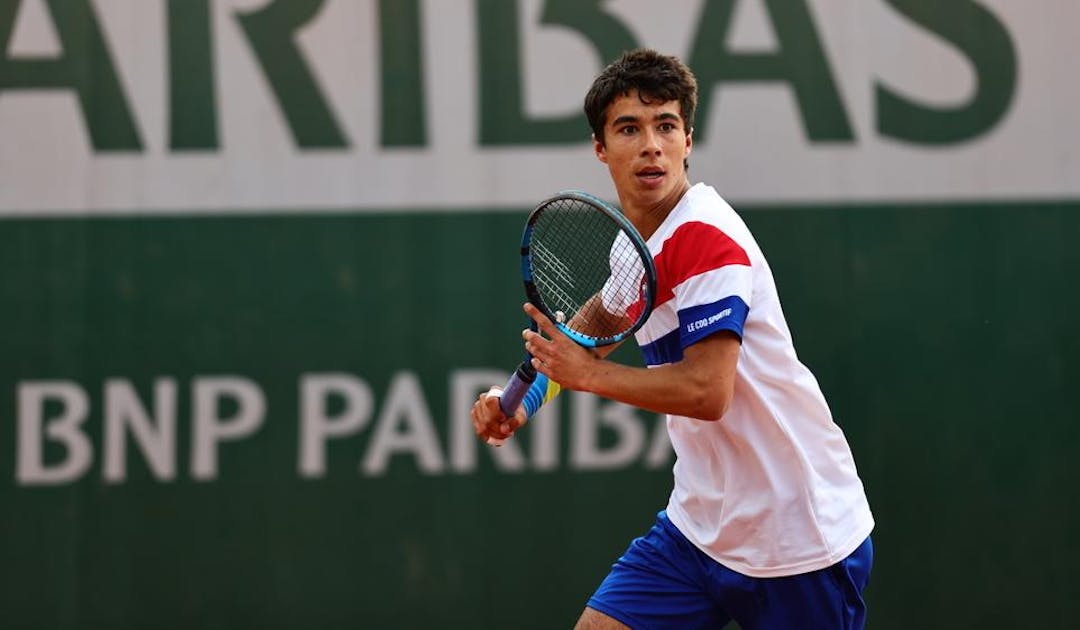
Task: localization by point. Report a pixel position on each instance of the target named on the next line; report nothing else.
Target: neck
(647, 218)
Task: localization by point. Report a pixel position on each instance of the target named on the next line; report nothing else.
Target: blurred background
(258, 257)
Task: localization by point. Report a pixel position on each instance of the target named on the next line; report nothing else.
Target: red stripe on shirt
(693, 248)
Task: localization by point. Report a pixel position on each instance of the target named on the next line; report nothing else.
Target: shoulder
(700, 223)
(700, 204)
(704, 198)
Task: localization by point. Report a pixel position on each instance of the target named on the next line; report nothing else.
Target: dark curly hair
(655, 76)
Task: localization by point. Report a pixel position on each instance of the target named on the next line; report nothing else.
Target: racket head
(587, 268)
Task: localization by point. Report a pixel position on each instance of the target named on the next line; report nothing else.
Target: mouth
(650, 173)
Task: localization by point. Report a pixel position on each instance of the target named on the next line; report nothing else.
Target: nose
(650, 142)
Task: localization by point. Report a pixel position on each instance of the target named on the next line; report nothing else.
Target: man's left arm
(700, 385)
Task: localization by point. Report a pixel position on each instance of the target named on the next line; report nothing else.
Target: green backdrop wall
(943, 337)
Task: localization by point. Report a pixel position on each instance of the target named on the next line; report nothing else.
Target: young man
(768, 523)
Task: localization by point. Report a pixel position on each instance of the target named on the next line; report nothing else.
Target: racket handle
(516, 388)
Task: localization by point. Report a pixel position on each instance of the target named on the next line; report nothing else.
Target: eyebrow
(631, 119)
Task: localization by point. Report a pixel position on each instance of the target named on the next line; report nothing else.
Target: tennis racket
(588, 270)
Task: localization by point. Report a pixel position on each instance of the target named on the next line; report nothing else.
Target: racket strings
(560, 273)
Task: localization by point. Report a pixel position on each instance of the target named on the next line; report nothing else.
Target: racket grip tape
(516, 388)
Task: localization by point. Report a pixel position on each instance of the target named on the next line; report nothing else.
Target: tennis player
(768, 523)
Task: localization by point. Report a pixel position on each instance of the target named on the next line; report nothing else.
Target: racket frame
(638, 243)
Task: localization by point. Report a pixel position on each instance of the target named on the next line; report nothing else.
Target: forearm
(675, 389)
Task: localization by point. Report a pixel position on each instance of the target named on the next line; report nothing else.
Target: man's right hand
(489, 422)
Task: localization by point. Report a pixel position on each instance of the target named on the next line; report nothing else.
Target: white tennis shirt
(771, 488)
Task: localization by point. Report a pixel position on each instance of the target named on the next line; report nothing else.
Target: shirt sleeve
(711, 281)
(623, 286)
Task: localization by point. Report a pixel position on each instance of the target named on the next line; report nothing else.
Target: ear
(599, 149)
(689, 140)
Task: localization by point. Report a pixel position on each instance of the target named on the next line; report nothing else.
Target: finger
(535, 344)
(495, 431)
(533, 348)
(499, 433)
(493, 428)
(487, 405)
(542, 321)
(486, 412)
(479, 413)
(542, 368)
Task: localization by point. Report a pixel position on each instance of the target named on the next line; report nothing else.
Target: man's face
(644, 147)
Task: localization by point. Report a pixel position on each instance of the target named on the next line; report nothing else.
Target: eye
(628, 130)
(667, 126)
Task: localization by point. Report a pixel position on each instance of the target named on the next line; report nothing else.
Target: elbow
(711, 406)
(709, 374)
(707, 389)
(714, 412)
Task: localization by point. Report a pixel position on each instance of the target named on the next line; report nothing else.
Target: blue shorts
(664, 581)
